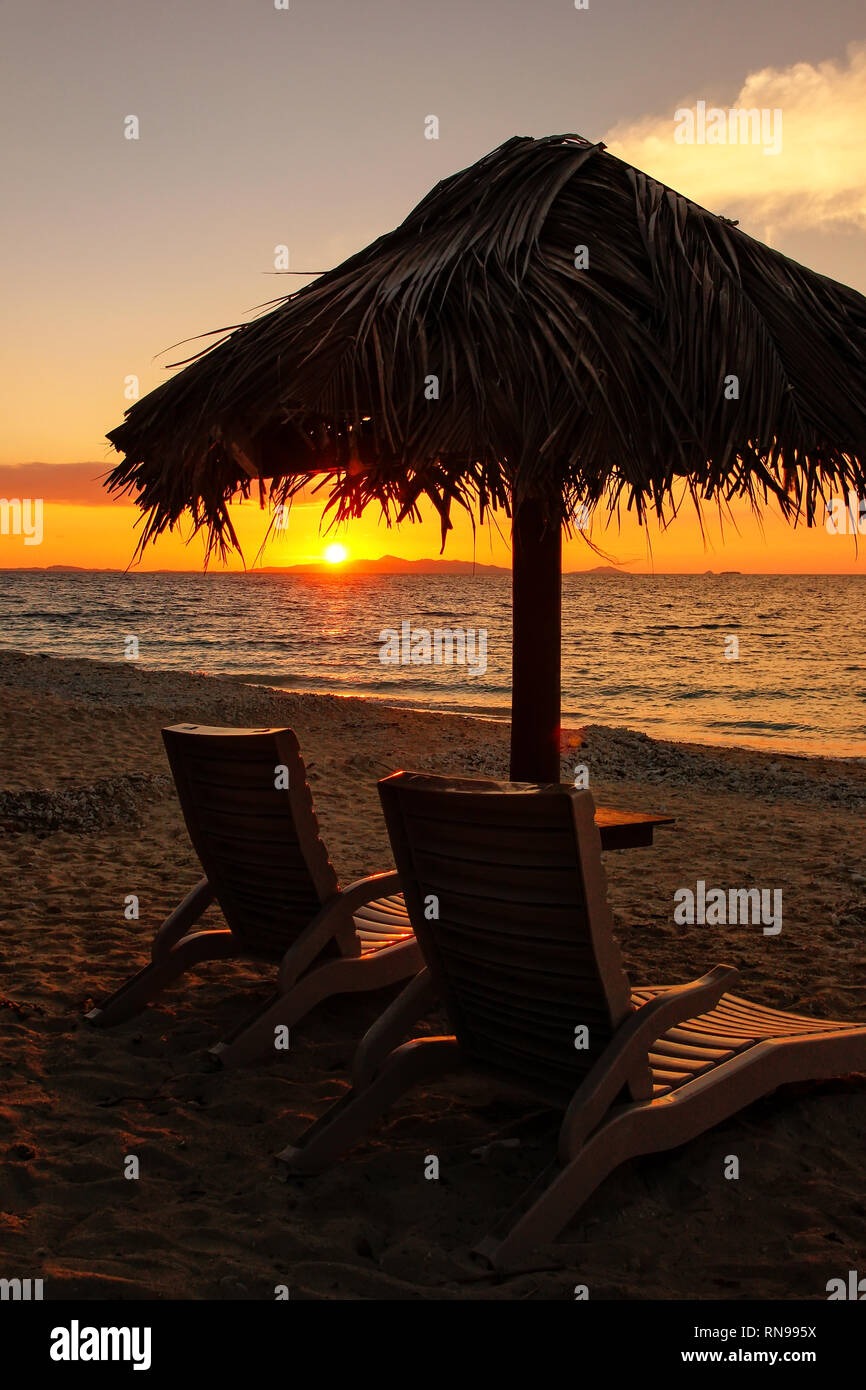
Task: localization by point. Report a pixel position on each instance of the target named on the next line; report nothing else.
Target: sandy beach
(88, 816)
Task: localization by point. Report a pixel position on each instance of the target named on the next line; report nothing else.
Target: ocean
(775, 662)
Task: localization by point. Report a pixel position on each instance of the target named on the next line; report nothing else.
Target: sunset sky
(305, 127)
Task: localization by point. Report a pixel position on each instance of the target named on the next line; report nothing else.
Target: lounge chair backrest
(257, 838)
(507, 895)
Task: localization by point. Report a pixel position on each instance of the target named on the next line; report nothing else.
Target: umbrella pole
(536, 645)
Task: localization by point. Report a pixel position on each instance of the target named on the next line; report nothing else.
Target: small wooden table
(627, 829)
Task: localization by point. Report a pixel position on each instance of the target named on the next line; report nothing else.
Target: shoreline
(574, 724)
(613, 754)
(571, 726)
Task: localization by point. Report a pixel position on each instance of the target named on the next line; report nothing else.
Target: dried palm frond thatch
(562, 384)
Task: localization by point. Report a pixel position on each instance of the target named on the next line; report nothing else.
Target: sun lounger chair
(522, 954)
(249, 813)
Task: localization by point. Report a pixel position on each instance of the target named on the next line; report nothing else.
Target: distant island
(393, 564)
(386, 564)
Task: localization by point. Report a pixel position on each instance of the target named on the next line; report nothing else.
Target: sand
(88, 816)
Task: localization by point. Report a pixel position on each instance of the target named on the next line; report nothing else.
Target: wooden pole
(536, 645)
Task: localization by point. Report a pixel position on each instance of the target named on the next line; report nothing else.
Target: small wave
(767, 725)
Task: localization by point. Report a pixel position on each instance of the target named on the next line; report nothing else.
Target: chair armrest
(334, 920)
(391, 1027)
(366, 890)
(629, 1046)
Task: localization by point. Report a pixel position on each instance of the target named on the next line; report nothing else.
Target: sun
(336, 554)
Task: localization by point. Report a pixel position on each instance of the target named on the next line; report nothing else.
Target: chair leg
(655, 1125)
(140, 989)
(347, 1120)
(557, 1194)
(178, 923)
(391, 1027)
(253, 1039)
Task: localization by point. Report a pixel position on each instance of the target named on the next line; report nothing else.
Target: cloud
(78, 484)
(818, 180)
(74, 483)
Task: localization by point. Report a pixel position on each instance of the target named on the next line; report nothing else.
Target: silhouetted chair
(507, 894)
(249, 812)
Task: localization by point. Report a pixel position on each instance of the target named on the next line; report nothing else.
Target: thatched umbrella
(547, 329)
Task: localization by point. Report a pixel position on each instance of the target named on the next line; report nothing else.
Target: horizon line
(323, 567)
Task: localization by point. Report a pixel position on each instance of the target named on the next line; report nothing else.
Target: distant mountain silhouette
(602, 569)
(386, 564)
(393, 564)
